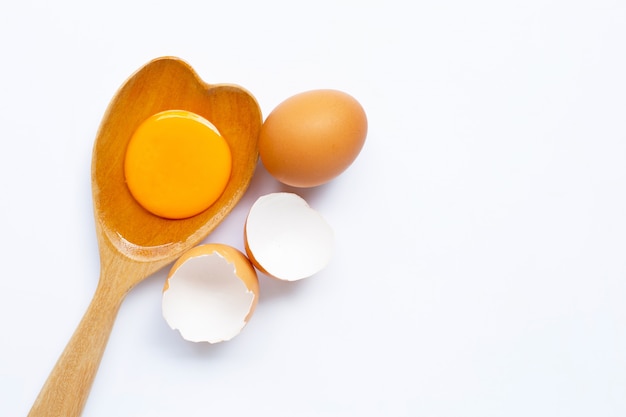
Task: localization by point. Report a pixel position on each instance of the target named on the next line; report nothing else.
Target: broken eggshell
(285, 238)
(210, 293)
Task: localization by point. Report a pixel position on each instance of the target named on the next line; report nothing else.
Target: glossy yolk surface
(177, 164)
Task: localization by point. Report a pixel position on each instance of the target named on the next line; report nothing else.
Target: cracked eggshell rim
(285, 238)
(210, 293)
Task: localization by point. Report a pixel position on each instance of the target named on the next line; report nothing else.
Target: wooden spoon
(132, 242)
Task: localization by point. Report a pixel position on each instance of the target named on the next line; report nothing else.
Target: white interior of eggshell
(287, 238)
(206, 301)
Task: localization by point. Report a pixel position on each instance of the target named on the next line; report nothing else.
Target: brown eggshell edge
(251, 257)
(247, 274)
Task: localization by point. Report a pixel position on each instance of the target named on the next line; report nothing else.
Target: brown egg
(312, 137)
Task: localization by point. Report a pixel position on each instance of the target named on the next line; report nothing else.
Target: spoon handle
(65, 391)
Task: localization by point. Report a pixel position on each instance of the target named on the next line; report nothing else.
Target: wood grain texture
(134, 243)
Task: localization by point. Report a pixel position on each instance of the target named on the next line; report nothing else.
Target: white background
(480, 260)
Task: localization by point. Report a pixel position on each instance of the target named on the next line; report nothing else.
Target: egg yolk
(177, 164)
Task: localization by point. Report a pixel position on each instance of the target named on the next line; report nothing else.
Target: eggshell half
(286, 239)
(210, 293)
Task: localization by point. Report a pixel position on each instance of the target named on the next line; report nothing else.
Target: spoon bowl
(132, 242)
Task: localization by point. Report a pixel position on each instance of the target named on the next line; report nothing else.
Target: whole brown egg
(312, 137)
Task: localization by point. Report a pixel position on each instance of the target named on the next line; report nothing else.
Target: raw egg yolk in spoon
(177, 164)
